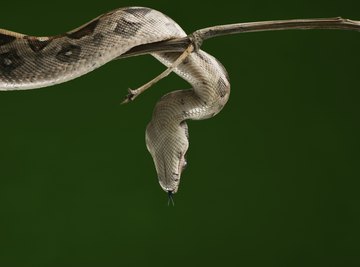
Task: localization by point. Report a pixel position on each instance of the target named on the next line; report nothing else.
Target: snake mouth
(169, 189)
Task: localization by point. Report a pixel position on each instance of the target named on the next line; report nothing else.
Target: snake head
(168, 149)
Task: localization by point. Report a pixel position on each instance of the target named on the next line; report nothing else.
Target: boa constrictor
(28, 62)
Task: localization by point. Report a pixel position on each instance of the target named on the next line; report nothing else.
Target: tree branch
(180, 44)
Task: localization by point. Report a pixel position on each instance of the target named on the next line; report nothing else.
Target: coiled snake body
(28, 62)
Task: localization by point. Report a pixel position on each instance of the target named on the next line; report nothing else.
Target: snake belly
(28, 62)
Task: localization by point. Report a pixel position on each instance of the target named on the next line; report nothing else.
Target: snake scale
(28, 62)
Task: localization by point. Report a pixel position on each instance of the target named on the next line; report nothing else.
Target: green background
(273, 180)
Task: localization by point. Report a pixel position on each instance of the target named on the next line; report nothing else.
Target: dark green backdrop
(273, 180)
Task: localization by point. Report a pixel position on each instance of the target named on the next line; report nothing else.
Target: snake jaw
(171, 186)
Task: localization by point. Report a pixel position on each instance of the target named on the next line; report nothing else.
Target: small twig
(194, 40)
(134, 93)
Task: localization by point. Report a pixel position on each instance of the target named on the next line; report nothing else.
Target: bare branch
(277, 25)
(179, 45)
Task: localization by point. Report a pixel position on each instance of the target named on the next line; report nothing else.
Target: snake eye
(182, 161)
(184, 164)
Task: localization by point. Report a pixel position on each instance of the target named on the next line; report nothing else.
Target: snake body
(28, 62)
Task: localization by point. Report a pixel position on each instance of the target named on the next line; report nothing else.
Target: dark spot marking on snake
(37, 45)
(223, 69)
(182, 101)
(6, 39)
(127, 28)
(88, 29)
(9, 61)
(138, 11)
(97, 39)
(222, 87)
(69, 53)
(203, 57)
(186, 61)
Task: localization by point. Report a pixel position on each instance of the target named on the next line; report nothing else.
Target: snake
(30, 62)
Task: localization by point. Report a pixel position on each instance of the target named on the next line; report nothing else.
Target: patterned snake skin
(28, 62)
